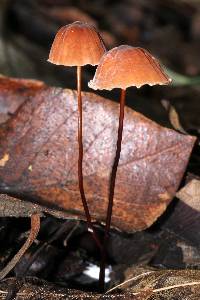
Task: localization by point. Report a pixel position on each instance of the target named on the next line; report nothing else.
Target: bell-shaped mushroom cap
(77, 44)
(126, 66)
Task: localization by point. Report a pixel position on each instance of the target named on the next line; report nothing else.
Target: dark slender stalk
(115, 165)
(80, 162)
(112, 187)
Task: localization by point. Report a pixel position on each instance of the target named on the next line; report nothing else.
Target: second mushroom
(122, 67)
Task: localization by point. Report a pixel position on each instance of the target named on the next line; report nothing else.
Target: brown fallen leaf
(190, 194)
(163, 284)
(173, 116)
(43, 134)
(34, 289)
(9, 103)
(146, 285)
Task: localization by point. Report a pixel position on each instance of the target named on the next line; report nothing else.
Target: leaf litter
(33, 123)
(24, 59)
(43, 131)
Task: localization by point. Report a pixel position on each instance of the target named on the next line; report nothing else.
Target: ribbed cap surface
(77, 44)
(126, 66)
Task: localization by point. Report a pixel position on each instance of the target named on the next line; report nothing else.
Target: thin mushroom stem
(112, 187)
(115, 165)
(80, 161)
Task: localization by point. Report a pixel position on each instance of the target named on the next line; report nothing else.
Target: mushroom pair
(79, 44)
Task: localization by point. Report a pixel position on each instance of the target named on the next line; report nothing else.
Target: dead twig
(35, 227)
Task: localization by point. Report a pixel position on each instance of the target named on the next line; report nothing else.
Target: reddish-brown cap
(77, 44)
(126, 66)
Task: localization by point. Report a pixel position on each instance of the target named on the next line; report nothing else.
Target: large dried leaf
(40, 143)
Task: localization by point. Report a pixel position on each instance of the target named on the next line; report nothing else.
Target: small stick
(35, 227)
(129, 280)
(54, 236)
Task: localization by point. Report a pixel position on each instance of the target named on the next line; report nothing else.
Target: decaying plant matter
(43, 169)
(35, 227)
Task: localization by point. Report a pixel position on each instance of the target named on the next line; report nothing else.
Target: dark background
(169, 29)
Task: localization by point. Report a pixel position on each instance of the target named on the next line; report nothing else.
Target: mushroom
(122, 67)
(78, 44)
